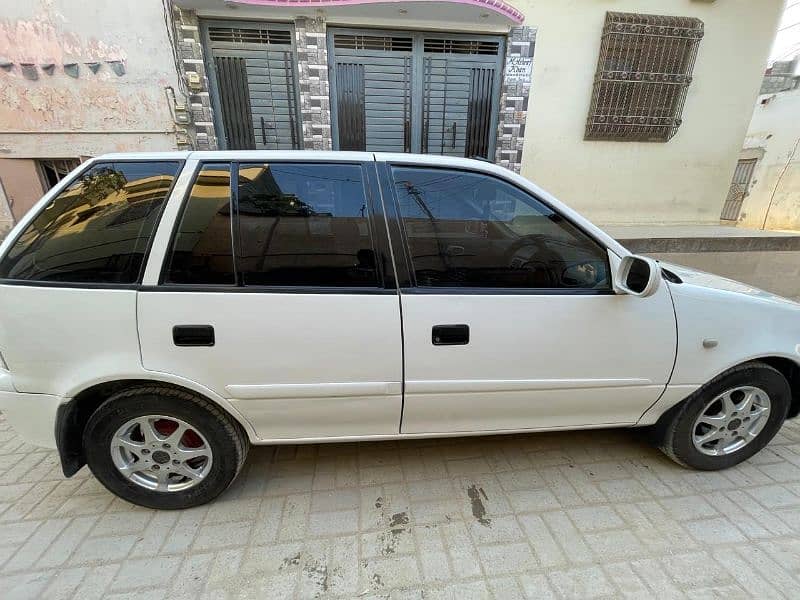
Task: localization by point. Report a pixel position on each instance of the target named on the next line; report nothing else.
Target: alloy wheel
(161, 453)
(731, 420)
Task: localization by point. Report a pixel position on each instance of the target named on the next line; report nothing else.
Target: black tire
(228, 442)
(675, 432)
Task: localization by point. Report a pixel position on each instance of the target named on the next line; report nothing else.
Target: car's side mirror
(638, 276)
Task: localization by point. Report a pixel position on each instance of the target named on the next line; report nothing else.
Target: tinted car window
(304, 225)
(202, 252)
(471, 230)
(98, 229)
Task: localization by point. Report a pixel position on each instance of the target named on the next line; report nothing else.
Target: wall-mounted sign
(518, 69)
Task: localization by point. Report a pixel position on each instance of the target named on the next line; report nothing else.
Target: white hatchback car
(161, 312)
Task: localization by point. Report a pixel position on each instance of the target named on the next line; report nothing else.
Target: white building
(630, 116)
(765, 192)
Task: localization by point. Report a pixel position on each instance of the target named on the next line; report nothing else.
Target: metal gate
(738, 190)
(415, 92)
(253, 84)
(372, 91)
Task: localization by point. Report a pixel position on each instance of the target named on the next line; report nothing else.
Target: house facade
(632, 111)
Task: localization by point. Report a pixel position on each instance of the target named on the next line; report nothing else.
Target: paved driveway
(565, 515)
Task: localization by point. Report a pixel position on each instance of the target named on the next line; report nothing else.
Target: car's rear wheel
(729, 419)
(164, 448)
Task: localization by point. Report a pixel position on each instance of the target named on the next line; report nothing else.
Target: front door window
(472, 230)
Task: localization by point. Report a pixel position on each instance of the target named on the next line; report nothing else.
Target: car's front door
(509, 318)
(273, 295)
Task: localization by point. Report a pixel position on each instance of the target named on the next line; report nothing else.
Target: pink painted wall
(21, 182)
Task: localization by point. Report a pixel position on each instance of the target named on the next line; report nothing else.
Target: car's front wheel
(729, 419)
(163, 448)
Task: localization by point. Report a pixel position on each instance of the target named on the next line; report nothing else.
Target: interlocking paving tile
(592, 514)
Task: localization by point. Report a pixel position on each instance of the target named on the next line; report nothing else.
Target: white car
(159, 313)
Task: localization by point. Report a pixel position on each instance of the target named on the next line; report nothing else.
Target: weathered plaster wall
(62, 113)
(774, 136)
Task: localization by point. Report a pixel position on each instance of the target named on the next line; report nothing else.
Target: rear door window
(304, 225)
(98, 229)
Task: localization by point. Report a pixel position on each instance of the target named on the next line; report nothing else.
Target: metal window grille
(237, 35)
(643, 74)
(54, 170)
(459, 46)
(372, 42)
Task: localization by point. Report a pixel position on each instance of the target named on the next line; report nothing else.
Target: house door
(253, 84)
(738, 190)
(415, 92)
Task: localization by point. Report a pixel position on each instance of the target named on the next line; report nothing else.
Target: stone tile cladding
(514, 103)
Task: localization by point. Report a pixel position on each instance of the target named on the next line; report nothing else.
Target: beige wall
(774, 138)
(60, 116)
(683, 180)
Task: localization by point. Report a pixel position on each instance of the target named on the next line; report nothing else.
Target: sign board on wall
(518, 69)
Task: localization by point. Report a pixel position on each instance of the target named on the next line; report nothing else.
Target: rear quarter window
(98, 229)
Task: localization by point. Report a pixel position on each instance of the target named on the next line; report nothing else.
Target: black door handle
(193, 335)
(450, 335)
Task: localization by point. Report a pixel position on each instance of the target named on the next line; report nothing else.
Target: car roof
(313, 155)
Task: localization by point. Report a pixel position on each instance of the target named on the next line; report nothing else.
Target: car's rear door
(509, 318)
(276, 292)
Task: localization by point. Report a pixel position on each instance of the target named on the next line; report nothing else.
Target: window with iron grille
(643, 73)
(52, 171)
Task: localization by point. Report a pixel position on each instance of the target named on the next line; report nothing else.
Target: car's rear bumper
(32, 416)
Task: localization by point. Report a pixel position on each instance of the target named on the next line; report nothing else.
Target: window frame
(402, 249)
(55, 191)
(385, 283)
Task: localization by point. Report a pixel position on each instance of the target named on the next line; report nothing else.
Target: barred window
(643, 73)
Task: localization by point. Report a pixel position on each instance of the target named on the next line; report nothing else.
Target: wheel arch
(788, 367)
(73, 415)
(791, 370)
